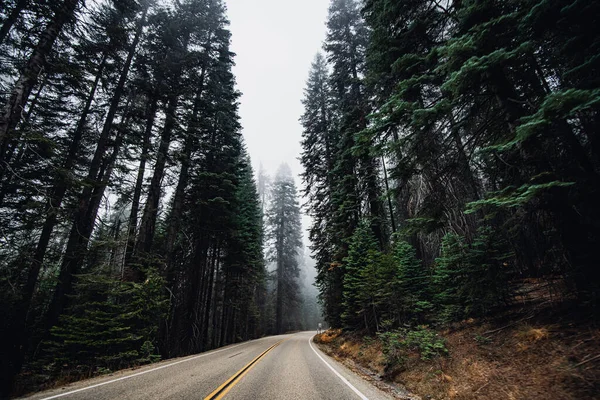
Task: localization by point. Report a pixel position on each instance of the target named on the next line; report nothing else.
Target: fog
(275, 42)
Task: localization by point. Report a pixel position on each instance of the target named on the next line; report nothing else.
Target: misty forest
(450, 157)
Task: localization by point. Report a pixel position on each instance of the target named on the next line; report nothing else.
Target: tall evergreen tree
(284, 237)
(136, 90)
(319, 144)
(362, 281)
(486, 126)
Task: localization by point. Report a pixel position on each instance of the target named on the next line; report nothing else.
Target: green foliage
(284, 238)
(482, 340)
(450, 269)
(362, 280)
(412, 281)
(558, 106)
(405, 287)
(398, 344)
(111, 325)
(427, 342)
(471, 279)
(515, 197)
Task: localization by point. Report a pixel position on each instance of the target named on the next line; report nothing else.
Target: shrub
(399, 343)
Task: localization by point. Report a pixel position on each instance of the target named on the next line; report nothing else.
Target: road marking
(222, 390)
(355, 390)
(141, 373)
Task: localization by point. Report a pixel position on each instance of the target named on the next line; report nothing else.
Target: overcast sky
(275, 42)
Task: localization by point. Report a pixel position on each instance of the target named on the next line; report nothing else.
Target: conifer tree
(28, 76)
(284, 236)
(319, 144)
(136, 89)
(335, 112)
(362, 281)
(410, 287)
(486, 126)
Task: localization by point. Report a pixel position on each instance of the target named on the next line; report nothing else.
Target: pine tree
(410, 287)
(319, 144)
(284, 236)
(245, 257)
(471, 279)
(362, 281)
(335, 112)
(111, 325)
(22, 90)
(136, 89)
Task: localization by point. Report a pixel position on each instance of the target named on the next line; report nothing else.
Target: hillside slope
(544, 353)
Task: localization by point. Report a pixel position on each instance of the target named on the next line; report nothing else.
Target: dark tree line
(450, 150)
(131, 226)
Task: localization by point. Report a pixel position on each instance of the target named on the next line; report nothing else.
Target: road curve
(274, 367)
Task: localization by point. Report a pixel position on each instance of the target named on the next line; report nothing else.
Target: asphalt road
(274, 367)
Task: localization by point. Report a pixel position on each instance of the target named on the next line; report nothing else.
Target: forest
(450, 158)
(131, 220)
(450, 153)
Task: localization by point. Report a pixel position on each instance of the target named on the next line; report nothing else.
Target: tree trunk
(389, 198)
(8, 147)
(463, 161)
(139, 183)
(146, 234)
(11, 19)
(83, 223)
(209, 297)
(53, 205)
(215, 284)
(29, 75)
(190, 144)
(81, 232)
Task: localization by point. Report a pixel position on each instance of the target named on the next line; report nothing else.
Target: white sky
(275, 42)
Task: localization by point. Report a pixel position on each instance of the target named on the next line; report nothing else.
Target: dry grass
(328, 336)
(537, 358)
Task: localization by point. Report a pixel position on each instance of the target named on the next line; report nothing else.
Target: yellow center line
(222, 390)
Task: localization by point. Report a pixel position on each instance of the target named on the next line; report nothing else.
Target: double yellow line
(222, 390)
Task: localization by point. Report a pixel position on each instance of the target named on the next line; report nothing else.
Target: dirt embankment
(551, 354)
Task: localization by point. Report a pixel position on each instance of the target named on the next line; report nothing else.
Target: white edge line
(355, 390)
(141, 373)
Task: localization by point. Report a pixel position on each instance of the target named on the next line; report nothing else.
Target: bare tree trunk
(208, 293)
(463, 161)
(389, 198)
(214, 296)
(375, 207)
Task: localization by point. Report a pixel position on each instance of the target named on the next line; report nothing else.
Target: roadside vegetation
(453, 176)
(524, 354)
(132, 228)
